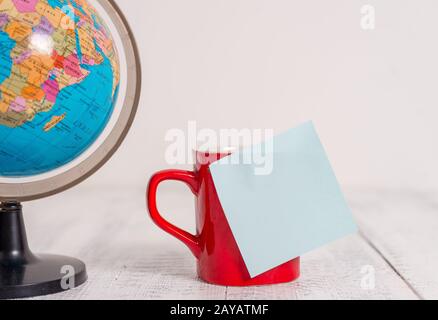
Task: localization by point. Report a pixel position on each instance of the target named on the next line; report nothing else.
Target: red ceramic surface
(219, 258)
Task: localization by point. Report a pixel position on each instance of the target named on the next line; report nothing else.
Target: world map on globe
(59, 82)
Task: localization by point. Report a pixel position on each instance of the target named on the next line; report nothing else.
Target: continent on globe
(59, 80)
(52, 43)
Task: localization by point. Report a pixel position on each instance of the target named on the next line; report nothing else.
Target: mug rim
(207, 158)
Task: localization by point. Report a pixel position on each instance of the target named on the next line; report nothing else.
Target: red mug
(219, 259)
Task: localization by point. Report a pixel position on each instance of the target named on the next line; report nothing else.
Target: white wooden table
(130, 258)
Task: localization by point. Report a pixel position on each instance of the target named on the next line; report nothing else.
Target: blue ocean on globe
(86, 108)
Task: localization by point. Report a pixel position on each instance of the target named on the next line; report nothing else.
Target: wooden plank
(126, 255)
(402, 225)
(334, 272)
(130, 258)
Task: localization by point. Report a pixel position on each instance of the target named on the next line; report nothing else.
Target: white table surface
(128, 257)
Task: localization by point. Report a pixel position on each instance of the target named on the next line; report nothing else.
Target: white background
(277, 63)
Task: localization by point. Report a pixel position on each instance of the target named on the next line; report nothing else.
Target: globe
(59, 81)
(69, 83)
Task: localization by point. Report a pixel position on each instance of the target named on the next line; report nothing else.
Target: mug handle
(189, 178)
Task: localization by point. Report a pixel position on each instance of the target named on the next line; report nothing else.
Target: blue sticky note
(284, 206)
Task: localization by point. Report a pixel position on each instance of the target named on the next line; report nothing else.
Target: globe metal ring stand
(23, 274)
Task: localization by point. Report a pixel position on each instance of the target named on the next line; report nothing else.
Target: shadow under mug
(219, 260)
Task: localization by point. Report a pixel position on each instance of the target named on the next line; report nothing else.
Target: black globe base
(25, 275)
